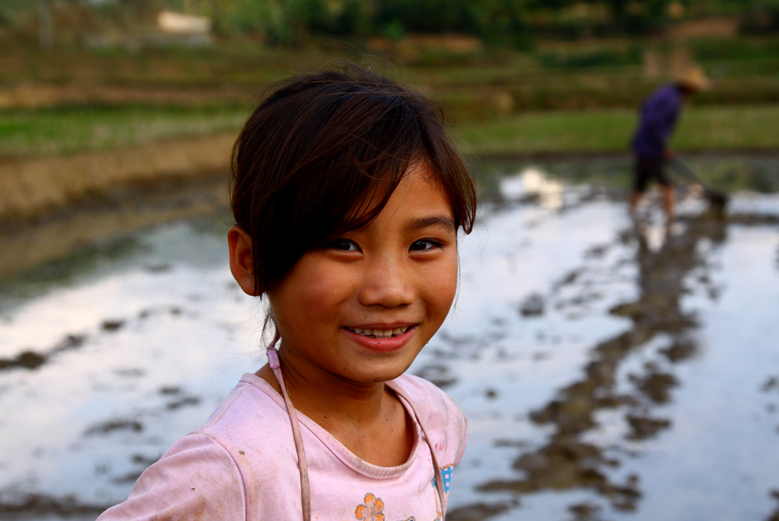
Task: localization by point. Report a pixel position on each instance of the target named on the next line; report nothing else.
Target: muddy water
(609, 369)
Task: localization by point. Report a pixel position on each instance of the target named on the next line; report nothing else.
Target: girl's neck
(369, 419)
(319, 394)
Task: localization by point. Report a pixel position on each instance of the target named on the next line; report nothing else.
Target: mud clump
(585, 511)
(25, 359)
(596, 252)
(112, 325)
(563, 465)
(656, 386)
(36, 505)
(140, 458)
(115, 425)
(70, 342)
(130, 477)
(570, 277)
(566, 464)
(774, 516)
(159, 267)
(680, 351)
(30, 359)
(645, 427)
(183, 402)
(480, 511)
(572, 416)
(533, 306)
(627, 309)
(437, 374)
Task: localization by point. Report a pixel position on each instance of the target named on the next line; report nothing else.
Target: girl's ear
(241, 259)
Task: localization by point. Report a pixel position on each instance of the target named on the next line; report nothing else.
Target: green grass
(749, 127)
(67, 130)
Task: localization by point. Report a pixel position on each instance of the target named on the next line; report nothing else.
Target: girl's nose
(386, 284)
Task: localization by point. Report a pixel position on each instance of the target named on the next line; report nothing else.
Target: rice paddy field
(610, 368)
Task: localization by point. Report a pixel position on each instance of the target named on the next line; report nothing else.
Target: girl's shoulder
(221, 470)
(252, 409)
(416, 387)
(442, 419)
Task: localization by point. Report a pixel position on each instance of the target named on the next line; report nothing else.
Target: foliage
(762, 17)
(497, 22)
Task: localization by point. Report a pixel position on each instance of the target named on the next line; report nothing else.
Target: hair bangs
(323, 154)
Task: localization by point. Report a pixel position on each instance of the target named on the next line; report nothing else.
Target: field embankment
(78, 124)
(31, 187)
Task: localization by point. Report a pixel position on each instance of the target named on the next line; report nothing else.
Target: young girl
(348, 198)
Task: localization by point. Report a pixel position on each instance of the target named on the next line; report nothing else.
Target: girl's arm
(196, 479)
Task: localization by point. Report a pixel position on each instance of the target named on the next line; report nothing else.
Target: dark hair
(319, 148)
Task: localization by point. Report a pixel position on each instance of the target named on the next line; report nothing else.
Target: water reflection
(532, 184)
(566, 461)
(671, 263)
(63, 235)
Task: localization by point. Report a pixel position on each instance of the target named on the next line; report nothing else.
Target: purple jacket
(658, 119)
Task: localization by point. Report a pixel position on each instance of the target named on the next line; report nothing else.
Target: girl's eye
(425, 244)
(343, 245)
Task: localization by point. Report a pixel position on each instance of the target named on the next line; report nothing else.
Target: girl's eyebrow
(435, 220)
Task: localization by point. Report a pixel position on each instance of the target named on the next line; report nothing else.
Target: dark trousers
(649, 169)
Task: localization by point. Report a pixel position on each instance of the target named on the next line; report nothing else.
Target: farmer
(659, 114)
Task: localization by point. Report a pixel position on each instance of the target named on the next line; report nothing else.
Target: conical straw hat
(693, 77)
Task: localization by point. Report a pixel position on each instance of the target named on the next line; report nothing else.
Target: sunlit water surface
(608, 370)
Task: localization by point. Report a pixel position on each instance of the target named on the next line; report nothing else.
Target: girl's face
(363, 306)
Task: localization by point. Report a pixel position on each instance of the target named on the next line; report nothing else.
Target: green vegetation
(514, 76)
(547, 132)
(701, 128)
(513, 23)
(66, 130)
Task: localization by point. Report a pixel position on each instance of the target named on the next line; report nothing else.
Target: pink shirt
(242, 465)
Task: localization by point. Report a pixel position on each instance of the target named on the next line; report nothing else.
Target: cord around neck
(305, 488)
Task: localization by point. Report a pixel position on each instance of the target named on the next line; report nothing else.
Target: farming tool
(717, 199)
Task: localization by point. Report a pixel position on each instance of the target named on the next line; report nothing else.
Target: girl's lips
(380, 343)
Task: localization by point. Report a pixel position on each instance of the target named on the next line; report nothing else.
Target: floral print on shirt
(371, 510)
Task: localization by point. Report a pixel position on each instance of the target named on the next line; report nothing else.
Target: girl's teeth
(379, 333)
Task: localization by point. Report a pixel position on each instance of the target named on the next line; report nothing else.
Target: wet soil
(105, 218)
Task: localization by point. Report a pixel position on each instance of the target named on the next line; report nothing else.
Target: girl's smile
(380, 337)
